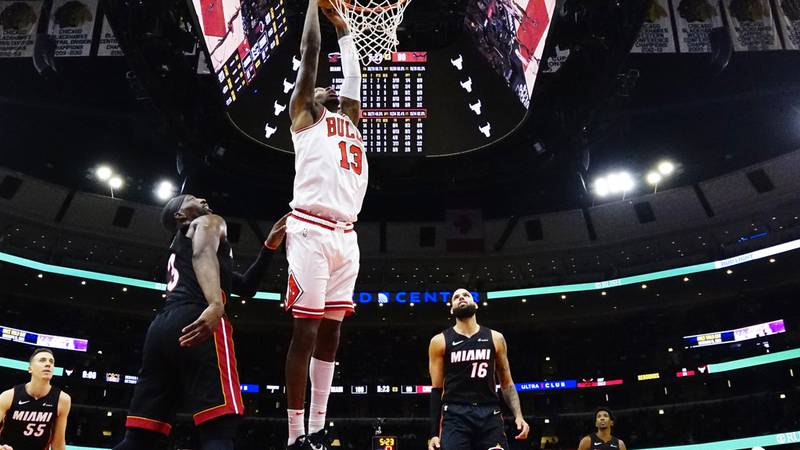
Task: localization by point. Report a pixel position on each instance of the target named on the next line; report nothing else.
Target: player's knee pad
(138, 439)
(219, 429)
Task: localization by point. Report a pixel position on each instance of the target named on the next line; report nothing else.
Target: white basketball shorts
(323, 260)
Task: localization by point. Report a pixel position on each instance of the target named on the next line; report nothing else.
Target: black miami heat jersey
(599, 444)
(29, 423)
(182, 284)
(469, 368)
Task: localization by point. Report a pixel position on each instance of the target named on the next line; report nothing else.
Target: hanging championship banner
(109, 46)
(789, 19)
(18, 21)
(72, 26)
(656, 34)
(752, 26)
(694, 20)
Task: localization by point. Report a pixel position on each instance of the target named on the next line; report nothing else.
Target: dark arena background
(616, 181)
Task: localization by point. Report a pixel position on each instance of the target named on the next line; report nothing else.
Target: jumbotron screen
(417, 102)
(393, 109)
(240, 37)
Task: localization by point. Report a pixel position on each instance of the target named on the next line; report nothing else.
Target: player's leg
(456, 432)
(492, 433)
(305, 298)
(154, 396)
(210, 379)
(219, 433)
(338, 304)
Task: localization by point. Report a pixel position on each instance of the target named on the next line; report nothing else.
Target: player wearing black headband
(188, 360)
(602, 438)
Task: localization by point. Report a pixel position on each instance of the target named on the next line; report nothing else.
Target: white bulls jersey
(331, 170)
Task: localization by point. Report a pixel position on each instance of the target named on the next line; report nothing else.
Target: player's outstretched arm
(507, 385)
(246, 284)
(585, 444)
(436, 369)
(60, 432)
(207, 231)
(350, 93)
(301, 106)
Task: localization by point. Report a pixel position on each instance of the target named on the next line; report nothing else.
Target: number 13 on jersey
(356, 165)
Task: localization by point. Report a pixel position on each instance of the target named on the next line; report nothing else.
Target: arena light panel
(104, 277)
(637, 279)
(754, 361)
(491, 295)
(771, 440)
(791, 437)
(23, 365)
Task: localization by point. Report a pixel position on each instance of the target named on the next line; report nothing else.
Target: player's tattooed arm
(206, 233)
(59, 434)
(507, 387)
(301, 106)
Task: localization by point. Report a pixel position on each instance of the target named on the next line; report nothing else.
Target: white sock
(296, 424)
(321, 373)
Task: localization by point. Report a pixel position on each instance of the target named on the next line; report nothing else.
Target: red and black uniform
(471, 417)
(202, 379)
(29, 423)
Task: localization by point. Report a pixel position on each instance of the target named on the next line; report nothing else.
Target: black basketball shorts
(472, 427)
(202, 380)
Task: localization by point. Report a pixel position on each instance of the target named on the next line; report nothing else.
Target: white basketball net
(373, 24)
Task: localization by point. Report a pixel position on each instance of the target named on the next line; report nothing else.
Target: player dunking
(321, 247)
(188, 358)
(464, 362)
(34, 414)
(602, 438)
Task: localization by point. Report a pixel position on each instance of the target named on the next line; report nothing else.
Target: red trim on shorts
(331, 221)
(148, 424)
(313, 223)
(228, 377)
(299, 315)
(327, 227)
(321, 116)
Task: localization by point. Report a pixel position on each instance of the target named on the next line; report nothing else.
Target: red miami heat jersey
(331, 170)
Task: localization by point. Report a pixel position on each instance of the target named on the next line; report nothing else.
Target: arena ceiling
(604, 107)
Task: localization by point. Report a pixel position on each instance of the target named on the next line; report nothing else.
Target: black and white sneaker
(301, 443)
(320, 440)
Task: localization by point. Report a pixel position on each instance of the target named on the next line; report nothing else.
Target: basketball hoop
(373, 24)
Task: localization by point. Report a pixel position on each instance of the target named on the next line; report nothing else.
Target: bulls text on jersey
(338, 126)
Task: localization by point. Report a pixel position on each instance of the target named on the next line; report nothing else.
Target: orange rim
(360, 9)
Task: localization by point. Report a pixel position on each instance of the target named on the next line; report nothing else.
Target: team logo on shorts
(293, 291)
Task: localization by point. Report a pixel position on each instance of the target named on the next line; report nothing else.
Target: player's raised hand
(523, 428)
(199, 330)
(331, 13)
(434, 443)
(277, 233)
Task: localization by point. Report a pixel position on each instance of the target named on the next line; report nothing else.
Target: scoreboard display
(240, 36)
(393, 108)
(384, 443)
